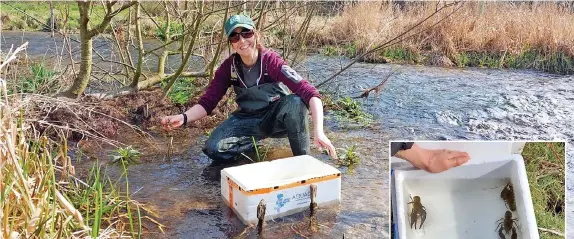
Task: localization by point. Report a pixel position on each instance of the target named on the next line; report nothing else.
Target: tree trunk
(165, 53)
(141, 52)
(86, 36)
(52, 18)
(161, 63)
(81, 81)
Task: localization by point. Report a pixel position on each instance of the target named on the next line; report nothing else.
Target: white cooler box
(464, 202)
(284, 184)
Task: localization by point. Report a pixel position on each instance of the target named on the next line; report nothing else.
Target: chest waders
(265, 110)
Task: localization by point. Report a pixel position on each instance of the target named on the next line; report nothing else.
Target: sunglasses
(245, 33)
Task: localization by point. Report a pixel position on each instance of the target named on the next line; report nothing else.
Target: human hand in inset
(440, 160)
(433, 160)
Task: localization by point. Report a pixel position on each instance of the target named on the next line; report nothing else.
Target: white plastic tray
(464, 202)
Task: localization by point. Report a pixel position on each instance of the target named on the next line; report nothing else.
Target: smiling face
(245, 46)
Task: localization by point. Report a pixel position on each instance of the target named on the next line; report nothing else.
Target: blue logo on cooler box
(281, 201)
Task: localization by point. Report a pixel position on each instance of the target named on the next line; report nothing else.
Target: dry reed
(495, 28)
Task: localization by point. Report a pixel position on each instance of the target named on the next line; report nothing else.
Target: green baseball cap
(236, 21)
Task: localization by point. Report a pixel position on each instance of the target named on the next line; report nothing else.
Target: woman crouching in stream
(261, 81)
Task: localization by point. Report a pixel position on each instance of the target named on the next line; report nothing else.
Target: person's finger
(455, 154)
(461, 160)
(457, 161)
(333, 153)
(317, 144)
(331, 149)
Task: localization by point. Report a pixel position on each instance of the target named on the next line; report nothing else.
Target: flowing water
(433, 103)
(449, 103)
(417, 102)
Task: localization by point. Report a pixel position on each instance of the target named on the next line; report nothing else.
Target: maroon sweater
(278, 72)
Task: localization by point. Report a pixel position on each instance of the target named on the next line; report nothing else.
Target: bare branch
(376, 89)
(108, 17)
(150, 17)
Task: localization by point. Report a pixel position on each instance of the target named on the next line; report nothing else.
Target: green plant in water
(348, 158)
(126, 155)
(260, 150)
(348, 109)
(55, 205)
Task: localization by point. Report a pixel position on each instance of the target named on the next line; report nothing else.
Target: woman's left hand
(321, 141)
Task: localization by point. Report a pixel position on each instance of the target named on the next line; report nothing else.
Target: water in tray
(457, 208)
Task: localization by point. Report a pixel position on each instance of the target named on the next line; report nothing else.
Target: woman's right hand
(172, 121)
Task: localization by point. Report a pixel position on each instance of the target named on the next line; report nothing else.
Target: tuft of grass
(545, 167)
(400, 54)
(260, 151)
(181, 90)
(39, 195)
(259, 154)
(41, 81)
(175, 30)
(330, 51)
(350, 49)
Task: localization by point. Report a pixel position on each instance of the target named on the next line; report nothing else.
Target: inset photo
(477, 189)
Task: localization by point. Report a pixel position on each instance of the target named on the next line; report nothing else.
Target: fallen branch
(192, 74)
(157, 78)
(375, 89)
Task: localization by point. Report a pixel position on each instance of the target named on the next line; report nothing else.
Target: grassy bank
(27, 16)
(33, 16)
(493, 34)
(41, 196)
(545, 167)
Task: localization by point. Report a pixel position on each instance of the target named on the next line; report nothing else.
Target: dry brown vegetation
(498, 29)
